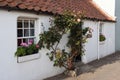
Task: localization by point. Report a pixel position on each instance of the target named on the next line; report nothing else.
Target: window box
(28, 58)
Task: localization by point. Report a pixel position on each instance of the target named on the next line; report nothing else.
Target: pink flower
(29, 43)
(37, 46)
(31, 40)
(24, 44)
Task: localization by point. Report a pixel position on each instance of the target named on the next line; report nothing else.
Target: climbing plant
(69, 23)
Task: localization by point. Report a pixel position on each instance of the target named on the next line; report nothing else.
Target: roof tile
(91, 10)
(22, 6)
(30, 7)
(1, 0)
(3, 3)
(9, 0)
(12, 4)
(36, 8)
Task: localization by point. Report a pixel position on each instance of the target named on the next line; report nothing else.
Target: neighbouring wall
(117, 26)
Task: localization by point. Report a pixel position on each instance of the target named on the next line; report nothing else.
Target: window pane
(19, 24)
(25, 41)
(26, 23)
(19, 41)
(26, 32)
(32, 23)
(20, 33)
(32, 32)
(100, 29)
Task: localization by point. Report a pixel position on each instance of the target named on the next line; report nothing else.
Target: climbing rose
(78, 20)
(37, 46)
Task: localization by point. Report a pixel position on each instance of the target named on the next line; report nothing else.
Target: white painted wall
(109, 46)
(10, 69)
(92, 47)
(42, 67)
(107, 5)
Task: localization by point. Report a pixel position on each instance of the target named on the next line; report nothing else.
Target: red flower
(37, 46)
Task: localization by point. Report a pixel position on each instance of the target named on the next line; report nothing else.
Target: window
(25, 30)
(102, 37)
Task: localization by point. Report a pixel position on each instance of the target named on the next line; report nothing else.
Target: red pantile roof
(92, 11)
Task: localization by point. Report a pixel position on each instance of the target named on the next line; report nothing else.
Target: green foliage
(21, 51)
(63, 20)
(68, 22)
(60, 58)
(49, 38)
(31, 49)
(102, 37)
(27, 50)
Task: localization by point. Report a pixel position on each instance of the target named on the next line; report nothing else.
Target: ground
(107, 68)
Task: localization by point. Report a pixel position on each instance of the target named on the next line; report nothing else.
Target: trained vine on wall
(62, 24)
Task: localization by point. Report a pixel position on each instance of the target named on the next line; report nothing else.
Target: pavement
(107, 68)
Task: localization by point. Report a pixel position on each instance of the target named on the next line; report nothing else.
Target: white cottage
(36, 12)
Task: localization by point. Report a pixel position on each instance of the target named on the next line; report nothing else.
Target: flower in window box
(102, 37)
(27, 49)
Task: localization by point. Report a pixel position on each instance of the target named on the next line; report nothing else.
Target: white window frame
(23, 28)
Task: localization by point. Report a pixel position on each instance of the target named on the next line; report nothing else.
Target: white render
(31, 70)
(94, 50)
(42, 68)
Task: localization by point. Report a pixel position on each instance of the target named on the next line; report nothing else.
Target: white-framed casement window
(25, 30)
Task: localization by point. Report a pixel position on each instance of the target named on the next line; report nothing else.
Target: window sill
(28, 58)
(102, 42)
